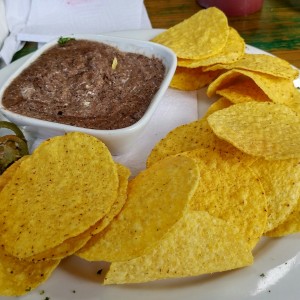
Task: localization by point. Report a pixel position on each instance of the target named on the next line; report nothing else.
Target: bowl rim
(110, 40)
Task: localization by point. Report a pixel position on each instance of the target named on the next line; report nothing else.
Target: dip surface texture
(86, 84)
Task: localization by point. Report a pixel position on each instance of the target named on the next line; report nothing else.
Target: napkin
(41, 21)
(3, 24)
(15, 14)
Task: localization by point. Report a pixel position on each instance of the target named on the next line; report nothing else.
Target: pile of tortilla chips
(203, 40)
(212, 188)
(52, 202)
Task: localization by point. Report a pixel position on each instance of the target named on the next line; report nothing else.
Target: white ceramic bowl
(118, 140)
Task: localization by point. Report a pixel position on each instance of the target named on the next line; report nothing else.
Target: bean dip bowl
(118, 139)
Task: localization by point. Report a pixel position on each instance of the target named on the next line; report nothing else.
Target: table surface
(275, 28)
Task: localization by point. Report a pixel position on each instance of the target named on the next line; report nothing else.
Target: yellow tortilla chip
(193, 39)
(281, 182)
(243, 89)
(195, 135)
(42, 208)
(218, 105)
(263, 63)
(289, 226)
(71, 245)
(188, 79)
(233, 51)
(157, 199)
(229, 190)
(260, 129)
(278, 90)
(9, 172)
(197, 244)
(19, 277)
(124, 174)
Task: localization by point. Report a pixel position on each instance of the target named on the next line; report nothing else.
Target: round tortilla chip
(42, 208)
(188, 79)
(281, 182)
(197, 244)
(195, 135)
(233, 51)
(243, 89)
(18, 277)
(157, 199)
(261, 129)
(277, 89)
(262, 63)
(193, 39)
(290, 225)
(229, 190)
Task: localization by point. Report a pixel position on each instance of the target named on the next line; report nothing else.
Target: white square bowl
(118, 141)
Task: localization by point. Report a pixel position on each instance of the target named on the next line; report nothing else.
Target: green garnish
(63, 40)
(262, 275)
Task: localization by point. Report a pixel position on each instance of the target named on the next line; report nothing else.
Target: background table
(276, 28)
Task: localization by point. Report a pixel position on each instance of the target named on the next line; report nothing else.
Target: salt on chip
(233, 51)
(18, 277)
(42, 208)
(197, 244)
(260, 129)
(290, 225)
(157, 199)
(281, 182)
(262, 63)
(190, 79)
(229, 190)
(193, 39)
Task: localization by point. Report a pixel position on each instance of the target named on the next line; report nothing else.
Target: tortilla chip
(229, 190)
(9, 172)
(188, 79)
(124, 174)
(157, 199)
(243, 89)
(218, 105)
(260, 129)
(281, 182)
(42, 209)
(289, 226)
(278, 90)
(195, 135)
(19, 277)
(233, 51)
(262, 63)
(193, 39)
(197, 244)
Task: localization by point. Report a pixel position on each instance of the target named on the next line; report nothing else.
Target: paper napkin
(41, 21)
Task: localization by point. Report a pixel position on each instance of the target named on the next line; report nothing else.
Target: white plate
(278, 259)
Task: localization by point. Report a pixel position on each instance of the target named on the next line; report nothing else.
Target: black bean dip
(86, 84)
